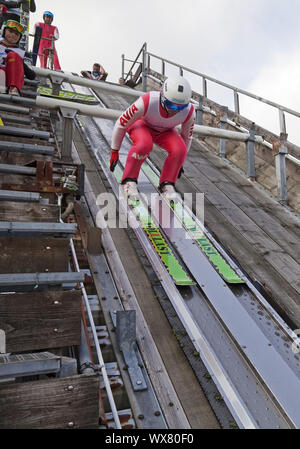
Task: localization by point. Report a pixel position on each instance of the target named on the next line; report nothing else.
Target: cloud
(251, 44)
(277, 81)
(217, 37)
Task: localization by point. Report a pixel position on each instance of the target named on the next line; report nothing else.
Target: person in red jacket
(11, 58)
(49, 32)
(153, 118)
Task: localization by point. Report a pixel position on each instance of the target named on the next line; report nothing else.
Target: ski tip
(133, 202)
(185, 283)
(234, 281)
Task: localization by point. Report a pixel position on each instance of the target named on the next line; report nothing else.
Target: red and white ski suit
(12, 64)
(48, 30)
(146, 123)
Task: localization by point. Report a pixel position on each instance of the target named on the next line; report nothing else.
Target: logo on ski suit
(128, 115)
(138, 157)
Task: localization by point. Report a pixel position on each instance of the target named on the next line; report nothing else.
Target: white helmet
(176, 90)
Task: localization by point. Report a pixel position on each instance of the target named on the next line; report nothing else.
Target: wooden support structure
(33, 255)
(51, 178)
(28, 212)
(39, 320)
(71, 402)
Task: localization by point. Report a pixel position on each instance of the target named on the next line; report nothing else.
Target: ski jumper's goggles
(12, 24)
(173, 106)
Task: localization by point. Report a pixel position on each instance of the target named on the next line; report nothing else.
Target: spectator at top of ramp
(98, 73)
(50, 34)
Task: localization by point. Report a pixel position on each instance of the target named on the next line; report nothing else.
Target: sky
(251, 44)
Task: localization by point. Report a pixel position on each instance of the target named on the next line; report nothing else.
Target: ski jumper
(146, 123)
(11, 62)
(48, 30)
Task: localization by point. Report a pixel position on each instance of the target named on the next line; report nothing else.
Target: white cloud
(278, 81)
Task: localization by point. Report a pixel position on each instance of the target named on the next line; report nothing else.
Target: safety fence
(278, 144)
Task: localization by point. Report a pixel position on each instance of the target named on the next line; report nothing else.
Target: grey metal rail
(16, 147)
(281, 109)
(129, 73)
(20, 132)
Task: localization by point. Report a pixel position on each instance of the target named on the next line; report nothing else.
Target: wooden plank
(33, 255)
(233, 189)
(41, 320)
(22, 158)
(28, 212)
(51, 404)
(229, 231)
(262, 200)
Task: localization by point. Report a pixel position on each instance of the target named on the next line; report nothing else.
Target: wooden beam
(40, 320)
(33, 255)
(71, 402)
(26, 212)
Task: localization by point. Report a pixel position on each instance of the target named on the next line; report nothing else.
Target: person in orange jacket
(49, 32)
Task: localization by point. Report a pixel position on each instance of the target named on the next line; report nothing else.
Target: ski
(157, 240)
(197, 234)
(24, 20)
(68, 95)
(36, 44)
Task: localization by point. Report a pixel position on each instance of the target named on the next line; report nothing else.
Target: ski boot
(130, 190)
(168, 192)
(13, 91)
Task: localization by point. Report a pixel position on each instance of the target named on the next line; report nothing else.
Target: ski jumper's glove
(181, 171)
(114, 157)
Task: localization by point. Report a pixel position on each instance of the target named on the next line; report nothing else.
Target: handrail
(229, 86)
(134, 62)
(277, 145)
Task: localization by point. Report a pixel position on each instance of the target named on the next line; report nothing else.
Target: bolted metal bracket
(2, 342)
(280, 152)
(68, 115)
(68, 367)
(250, 155)
(126, 338)
(236, 103)
(223, 117)
(56, 83)
(199, 111)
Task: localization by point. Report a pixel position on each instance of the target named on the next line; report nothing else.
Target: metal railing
(129, 75)
(278, 146)
(235, 90)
